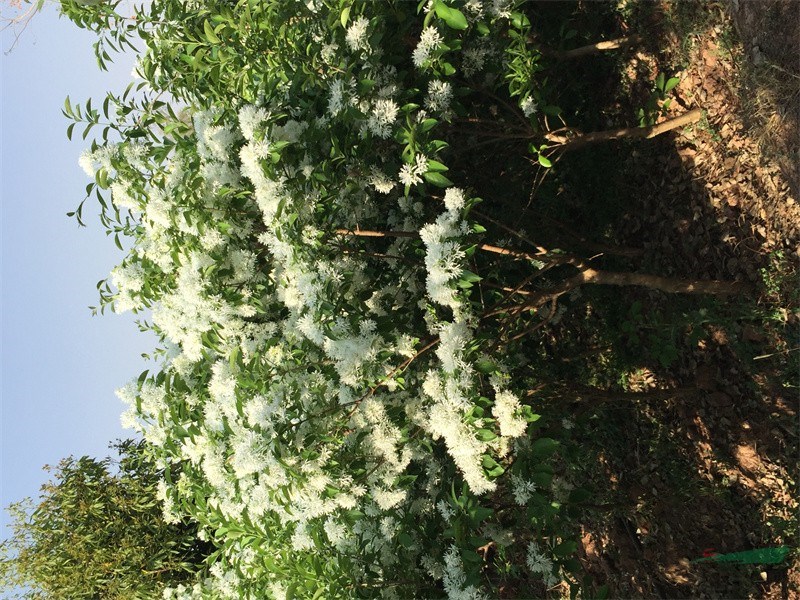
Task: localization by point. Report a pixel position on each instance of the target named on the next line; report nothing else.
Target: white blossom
(454, 199)
(537, 561)
(528, 106)
(380, 181)
(412, 174)
(445, 510)
(429, 41)
(440, 93)
(506, 406)
(250, 119)
(339, 97)
(522, 489)
(357, 34)
(454, 578)
(382, 118)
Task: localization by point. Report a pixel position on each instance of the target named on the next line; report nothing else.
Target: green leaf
(671, 83)
(529, 415)
(428, 124)
(544, 161)
(544, 447)
(660, 81)
(579, 495)
(476, 411)
(485, 366)
(209, 31)
(102, 178)
(480, 513)
(291, 591)
(437, 179)
(760, 556)
(565, 548)
(437, 167)
(472, 557)
(519, 20)
(470, 277)
(448, 69)
(542, 479)
(492, 467)
(345, 16)
(573, 566)
(485, 435)
(454, 18)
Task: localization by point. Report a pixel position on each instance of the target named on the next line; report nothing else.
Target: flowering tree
(339, 329)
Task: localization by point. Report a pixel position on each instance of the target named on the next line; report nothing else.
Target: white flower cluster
(357, 34)
(476, 55)
(129, 279)
(380, 181)
(541, 564)
(501, 9)
(122, 196)
(443, 256)
(454, 578)
(528, 106)
(452, 387)
(341, 95)
(412, 174)
(429, 42)
(215, 145)
(189, 312)
(382, 117)
(522, 489)
(505, 409)
(440, 93)
(451, 396)
(92, 161)
(221, 583)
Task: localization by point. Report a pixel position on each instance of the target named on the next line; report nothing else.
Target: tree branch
(593, 48)
(655, 282)
(414, 234)
(572, 142)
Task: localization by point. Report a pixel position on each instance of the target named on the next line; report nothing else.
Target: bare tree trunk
(654, 282)
(586, 275)
(571, 143)
(593, 48)
(665, 284)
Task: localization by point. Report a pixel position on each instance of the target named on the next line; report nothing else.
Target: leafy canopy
(98, 532)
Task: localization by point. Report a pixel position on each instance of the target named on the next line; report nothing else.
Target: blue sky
(60, 365)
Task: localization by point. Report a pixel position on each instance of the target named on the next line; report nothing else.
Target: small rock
(757, 56)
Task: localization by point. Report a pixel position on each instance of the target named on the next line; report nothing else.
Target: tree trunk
(571, 143)
(593, 48)
(655, 282)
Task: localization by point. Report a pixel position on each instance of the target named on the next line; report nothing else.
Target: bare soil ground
(710, 459)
